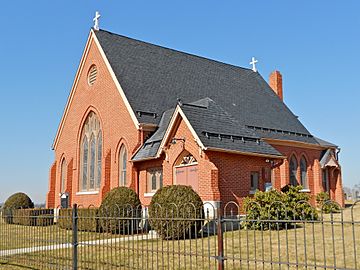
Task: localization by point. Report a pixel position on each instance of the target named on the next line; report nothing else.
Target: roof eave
(297, 144)
(245, 153)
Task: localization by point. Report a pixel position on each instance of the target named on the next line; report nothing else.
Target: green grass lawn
(312, 243)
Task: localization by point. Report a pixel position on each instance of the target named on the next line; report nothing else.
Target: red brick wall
(50, 197)
(69, 180)
(207, 171)
(235, 172)
(314, 172)
(104, 99)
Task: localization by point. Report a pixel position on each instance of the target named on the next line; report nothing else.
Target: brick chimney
(275, 82)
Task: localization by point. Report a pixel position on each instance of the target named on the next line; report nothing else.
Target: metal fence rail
(224, 238)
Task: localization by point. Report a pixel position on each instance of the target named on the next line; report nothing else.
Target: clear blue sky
(315, 44)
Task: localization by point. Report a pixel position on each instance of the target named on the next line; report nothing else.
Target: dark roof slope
(218, 130)
(215, 128)
(325, 143)
(154, 77)
(151, 146)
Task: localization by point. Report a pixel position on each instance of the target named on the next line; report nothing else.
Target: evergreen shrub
(87, 219)
(16, 201)
(325, 204)
(276, 209)
(176, 212)
(120, 211)
(33, 217)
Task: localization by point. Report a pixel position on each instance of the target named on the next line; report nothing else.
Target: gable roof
(215, 129)
(218, 130)
(154, 77)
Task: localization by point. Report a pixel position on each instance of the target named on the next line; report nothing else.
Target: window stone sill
(305, 190)
(252, 192)
(150, 194)
(87, 192)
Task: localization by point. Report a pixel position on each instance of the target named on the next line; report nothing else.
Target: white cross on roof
(96, 20)
(253, 63)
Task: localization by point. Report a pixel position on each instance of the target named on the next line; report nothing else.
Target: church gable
(93, 87)
(95, 92)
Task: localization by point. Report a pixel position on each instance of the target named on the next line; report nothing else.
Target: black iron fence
(224, 238)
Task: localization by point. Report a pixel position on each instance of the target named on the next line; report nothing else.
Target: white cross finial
(96, 20)
(253, 63)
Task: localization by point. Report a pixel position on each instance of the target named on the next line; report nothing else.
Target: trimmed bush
(325, 204)
(16, 201)
(120, 211)
(176, 212)
(87, 219)
(278, 205)
(33, 217)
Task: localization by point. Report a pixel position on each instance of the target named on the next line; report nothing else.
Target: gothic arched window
(293, 171)
(91, 154)
(122, 165)
(303, 173)
(63, 176)
(99, 159)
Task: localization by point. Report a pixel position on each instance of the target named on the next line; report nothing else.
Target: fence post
(75, 236)
(220, 238)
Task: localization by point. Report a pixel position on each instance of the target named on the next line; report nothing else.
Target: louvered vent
(92, 75)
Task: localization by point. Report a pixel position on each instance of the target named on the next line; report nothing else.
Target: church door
(186, 173)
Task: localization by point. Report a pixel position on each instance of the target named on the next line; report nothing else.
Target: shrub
(87, 219)
(120, 211)
(325, 204)
(16, 201)
(264, 206)
(277, 205)
(33, 217)
(298, 205)
(176, 212)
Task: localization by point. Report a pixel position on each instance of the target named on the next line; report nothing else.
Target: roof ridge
(177, 51)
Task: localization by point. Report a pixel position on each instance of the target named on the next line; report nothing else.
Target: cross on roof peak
(253, 63)
(96, 20)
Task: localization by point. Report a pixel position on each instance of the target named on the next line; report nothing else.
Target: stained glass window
(293, 171)
(91, 151)
(303, 173)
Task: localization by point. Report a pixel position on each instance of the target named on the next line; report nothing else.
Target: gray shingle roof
(217, 129)
(154, 78)
(151, 146)
(325, 143)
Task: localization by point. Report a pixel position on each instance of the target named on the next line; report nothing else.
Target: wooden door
(188, 176)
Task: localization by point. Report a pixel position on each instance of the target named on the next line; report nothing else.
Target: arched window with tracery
(63, 176)
(303, 173)
(293, 171)
(91, 154)
(122, 165)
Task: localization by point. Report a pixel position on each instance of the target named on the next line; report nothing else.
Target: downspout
(137, 181)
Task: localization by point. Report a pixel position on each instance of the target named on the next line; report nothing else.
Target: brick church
(144, 116)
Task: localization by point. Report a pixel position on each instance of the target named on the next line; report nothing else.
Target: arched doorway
(186, 171)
